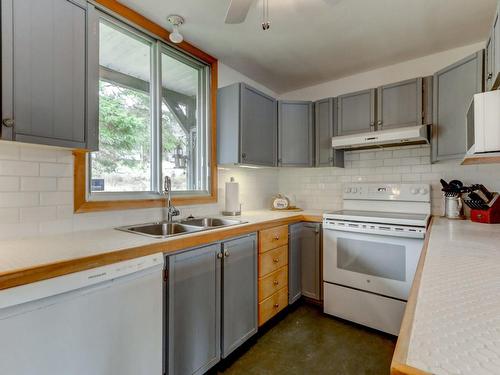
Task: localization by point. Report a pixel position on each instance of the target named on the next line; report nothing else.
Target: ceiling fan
(238, 10)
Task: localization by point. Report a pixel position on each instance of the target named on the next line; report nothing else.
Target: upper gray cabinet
(295, 134)
(246, 126)
(492, 56)
(404, 103)
(356, 112)
(326, 128)
(44, 72)
(454, 87)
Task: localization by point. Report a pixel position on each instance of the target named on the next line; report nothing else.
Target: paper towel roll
(232, 196)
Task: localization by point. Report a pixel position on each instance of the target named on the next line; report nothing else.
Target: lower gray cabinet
(211, 304)
(193, 311)
(294, 258)
(325, 122)
(311, 260)
(240, 293)
(295, 134)
(304, 262)
(454, 88)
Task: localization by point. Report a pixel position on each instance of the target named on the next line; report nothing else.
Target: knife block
(489, 216)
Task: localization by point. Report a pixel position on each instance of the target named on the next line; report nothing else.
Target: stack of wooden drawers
(273, 272)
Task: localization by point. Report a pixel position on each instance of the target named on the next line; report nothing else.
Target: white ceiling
(312, 41)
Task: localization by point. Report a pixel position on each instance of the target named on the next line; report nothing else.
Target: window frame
(123, 17)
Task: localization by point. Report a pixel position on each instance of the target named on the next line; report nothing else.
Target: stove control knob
(414, 190)
(354, 190)
(347, 190)
(422, 191)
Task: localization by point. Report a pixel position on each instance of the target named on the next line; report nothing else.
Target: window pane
(183, 130)
(123, 162)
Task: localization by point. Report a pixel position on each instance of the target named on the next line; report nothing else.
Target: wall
(321, 188)
(36, 188)
(422, 66)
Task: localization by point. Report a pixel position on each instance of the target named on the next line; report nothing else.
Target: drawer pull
(276, 305)
(276, 237)
(276, 260)
(276, 282)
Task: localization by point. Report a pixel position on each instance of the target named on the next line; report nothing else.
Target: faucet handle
(167, 183)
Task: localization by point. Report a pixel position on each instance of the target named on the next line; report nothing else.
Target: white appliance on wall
(389, 137)
(371, 250)
(103, 321)
(483, 123)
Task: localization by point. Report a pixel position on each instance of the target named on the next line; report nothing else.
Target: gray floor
(306, 341)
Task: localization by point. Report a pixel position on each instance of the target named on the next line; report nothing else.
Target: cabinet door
(495, 81)
(239, 292)
(488, 65)
(294, 266)
(454, 87)
(193, 311)
(258, 128)
(356, 112)
(311, 260)
(295, 134)
(399, 104)
(325, 128)
(45, 51)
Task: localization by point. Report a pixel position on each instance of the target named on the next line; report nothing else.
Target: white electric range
(371, 250)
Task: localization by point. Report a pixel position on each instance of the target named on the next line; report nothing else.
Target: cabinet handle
(276, 260)
(490, 76)
(372, 126)
(276, 282)
(243, 156)
(276, 237)
(276, 305)
(220, 255)
(8, 122)
(226, 253)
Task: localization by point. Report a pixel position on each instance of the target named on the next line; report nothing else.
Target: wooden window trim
(81, 204)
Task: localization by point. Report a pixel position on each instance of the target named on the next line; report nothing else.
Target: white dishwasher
(103, 321)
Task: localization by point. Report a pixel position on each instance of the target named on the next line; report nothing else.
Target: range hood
(408, 135)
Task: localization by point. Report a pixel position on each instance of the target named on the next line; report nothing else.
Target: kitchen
(348, 187)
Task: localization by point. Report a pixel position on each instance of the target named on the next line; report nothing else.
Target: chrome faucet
(170, 209)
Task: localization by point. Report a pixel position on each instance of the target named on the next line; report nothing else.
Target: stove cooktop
(379, 217)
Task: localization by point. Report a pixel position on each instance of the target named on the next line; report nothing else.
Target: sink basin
(211, 222)
(161, 230)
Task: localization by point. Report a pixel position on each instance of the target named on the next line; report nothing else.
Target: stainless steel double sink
(165, 230)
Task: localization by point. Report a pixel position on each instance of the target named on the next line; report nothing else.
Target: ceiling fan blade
(237, 11)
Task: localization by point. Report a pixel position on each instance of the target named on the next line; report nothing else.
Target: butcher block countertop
(39, 258)
(452, 319)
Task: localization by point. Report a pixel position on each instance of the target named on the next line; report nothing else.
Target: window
(153, 118)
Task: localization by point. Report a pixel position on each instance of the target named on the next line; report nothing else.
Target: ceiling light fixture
(175, 35)
(266, 23)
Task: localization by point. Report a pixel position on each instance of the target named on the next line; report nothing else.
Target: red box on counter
(489, 216)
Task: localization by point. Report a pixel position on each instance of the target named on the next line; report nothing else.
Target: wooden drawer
(272, 260)
(273, 282)
(273, 305)
(272, 238)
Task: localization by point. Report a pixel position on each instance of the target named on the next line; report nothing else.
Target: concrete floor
(306, 341)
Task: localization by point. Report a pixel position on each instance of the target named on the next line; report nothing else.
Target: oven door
(379, 264)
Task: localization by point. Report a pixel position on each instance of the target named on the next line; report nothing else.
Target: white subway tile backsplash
(38, 214)
(56, 198)
(18, 168)
(39, 154)
(9, 215)
(56, 170)
(19, 199)
(9, 183)
(9, 151)
(65, 184)
(38, 184)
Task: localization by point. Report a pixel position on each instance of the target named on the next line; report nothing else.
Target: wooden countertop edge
(400, 357)
(41, 272)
